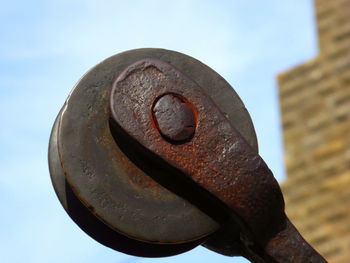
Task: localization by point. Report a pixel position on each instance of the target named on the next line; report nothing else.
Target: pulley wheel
(107, 189)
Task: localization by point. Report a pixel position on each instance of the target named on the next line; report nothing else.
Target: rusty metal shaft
(216, 157)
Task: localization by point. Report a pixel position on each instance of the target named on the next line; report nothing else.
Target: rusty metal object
(107, 189)
(154, 153)
(174, 117)
(217, 158)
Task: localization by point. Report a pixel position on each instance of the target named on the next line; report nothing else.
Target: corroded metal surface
(174, 117)
(94, 170)
(217, 158)
(153, 153)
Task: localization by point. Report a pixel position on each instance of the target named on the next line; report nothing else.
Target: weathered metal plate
(103, 178)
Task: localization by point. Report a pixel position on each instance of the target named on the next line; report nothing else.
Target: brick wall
(315, 107)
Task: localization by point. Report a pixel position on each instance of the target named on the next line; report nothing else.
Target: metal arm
(209, 151)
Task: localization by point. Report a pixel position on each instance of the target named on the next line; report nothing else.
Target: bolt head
(174, 118)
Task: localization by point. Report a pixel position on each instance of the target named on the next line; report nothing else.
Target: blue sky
(46, 46)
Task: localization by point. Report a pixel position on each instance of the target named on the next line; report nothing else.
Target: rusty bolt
(174, 117)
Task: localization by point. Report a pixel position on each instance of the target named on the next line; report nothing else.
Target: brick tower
(315, 107)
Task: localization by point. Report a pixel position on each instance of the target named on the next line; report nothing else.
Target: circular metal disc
(87, 164)
(94, 227)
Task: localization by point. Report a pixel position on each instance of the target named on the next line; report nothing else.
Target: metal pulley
(154, 153)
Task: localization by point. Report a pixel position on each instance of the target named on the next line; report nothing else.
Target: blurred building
(315, 106)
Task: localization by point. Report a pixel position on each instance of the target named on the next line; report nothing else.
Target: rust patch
(217, 158)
